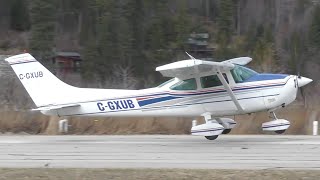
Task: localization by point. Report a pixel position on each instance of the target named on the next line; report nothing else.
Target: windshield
(241, 74)
(165, 83)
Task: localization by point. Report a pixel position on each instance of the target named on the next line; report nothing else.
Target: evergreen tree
(135, 12)
(225, 20)
(43, 19)
(225, 28)
(296, 49)
(314, 34)
(19, 15)
(182, 25)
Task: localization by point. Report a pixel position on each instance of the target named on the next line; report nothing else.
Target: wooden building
(66, 62)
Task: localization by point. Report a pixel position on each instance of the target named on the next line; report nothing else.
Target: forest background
(122, 41)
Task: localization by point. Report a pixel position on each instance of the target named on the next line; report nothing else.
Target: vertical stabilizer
(43, 87)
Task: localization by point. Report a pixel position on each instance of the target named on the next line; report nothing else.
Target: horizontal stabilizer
(48, 108)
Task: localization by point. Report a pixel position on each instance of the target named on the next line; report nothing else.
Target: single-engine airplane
(197, 88)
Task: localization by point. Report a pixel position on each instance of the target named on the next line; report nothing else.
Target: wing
(192, 67)
(240, 60)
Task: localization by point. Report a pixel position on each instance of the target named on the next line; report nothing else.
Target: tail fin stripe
(21, 62)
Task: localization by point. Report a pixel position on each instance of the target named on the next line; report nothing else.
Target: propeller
(298, 76)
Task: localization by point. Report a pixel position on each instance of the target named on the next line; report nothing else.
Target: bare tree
(124, 77)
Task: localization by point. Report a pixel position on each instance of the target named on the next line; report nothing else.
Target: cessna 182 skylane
(197, 88)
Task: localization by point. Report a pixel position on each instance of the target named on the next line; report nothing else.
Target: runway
(161, 151)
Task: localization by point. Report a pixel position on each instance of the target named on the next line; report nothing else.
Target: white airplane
(197, 88)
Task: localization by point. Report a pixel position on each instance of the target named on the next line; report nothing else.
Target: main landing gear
(279, 126)
(211, 137)
(213, 127)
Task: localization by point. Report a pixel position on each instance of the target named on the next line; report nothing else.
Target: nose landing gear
(279, 126)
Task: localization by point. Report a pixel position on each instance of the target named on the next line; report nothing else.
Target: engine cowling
(207, 129)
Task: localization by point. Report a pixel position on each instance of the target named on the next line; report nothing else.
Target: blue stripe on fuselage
(265, 77)
(155, 100)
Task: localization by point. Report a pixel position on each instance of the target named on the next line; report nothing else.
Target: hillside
(281, 36)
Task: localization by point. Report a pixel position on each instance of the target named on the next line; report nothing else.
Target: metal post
(194, 123)
(63, 126)
(315, 128)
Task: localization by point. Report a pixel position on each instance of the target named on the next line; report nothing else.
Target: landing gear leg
(226, 125)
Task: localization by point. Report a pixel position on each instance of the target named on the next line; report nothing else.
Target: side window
(188, 84)
(212, 81)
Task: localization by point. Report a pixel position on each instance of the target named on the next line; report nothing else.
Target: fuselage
(258, 93)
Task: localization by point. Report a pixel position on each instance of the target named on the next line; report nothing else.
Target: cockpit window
(241, 74)
(188, 84)
(210, 81)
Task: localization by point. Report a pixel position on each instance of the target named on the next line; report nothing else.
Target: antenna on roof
(190, 56)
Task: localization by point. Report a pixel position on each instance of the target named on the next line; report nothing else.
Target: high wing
(240, 60)
(190, 68)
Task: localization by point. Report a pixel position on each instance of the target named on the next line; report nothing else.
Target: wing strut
(229, 91)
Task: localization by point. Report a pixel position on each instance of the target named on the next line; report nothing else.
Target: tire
(280, 131)
(211, 137)
(226, 131)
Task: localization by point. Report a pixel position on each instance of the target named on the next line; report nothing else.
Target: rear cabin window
(188, 84)
(241, 74)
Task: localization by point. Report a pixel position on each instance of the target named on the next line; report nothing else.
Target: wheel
(226, 131)
(211, 137)
(280, 131)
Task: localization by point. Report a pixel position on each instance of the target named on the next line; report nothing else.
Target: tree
(263, 50)
(135, 14)
(182, 25)
(225, 28)
(111, 42)
(19, 15)
(296, 49)
(314, 35)
(225, 21)
(43, 19)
